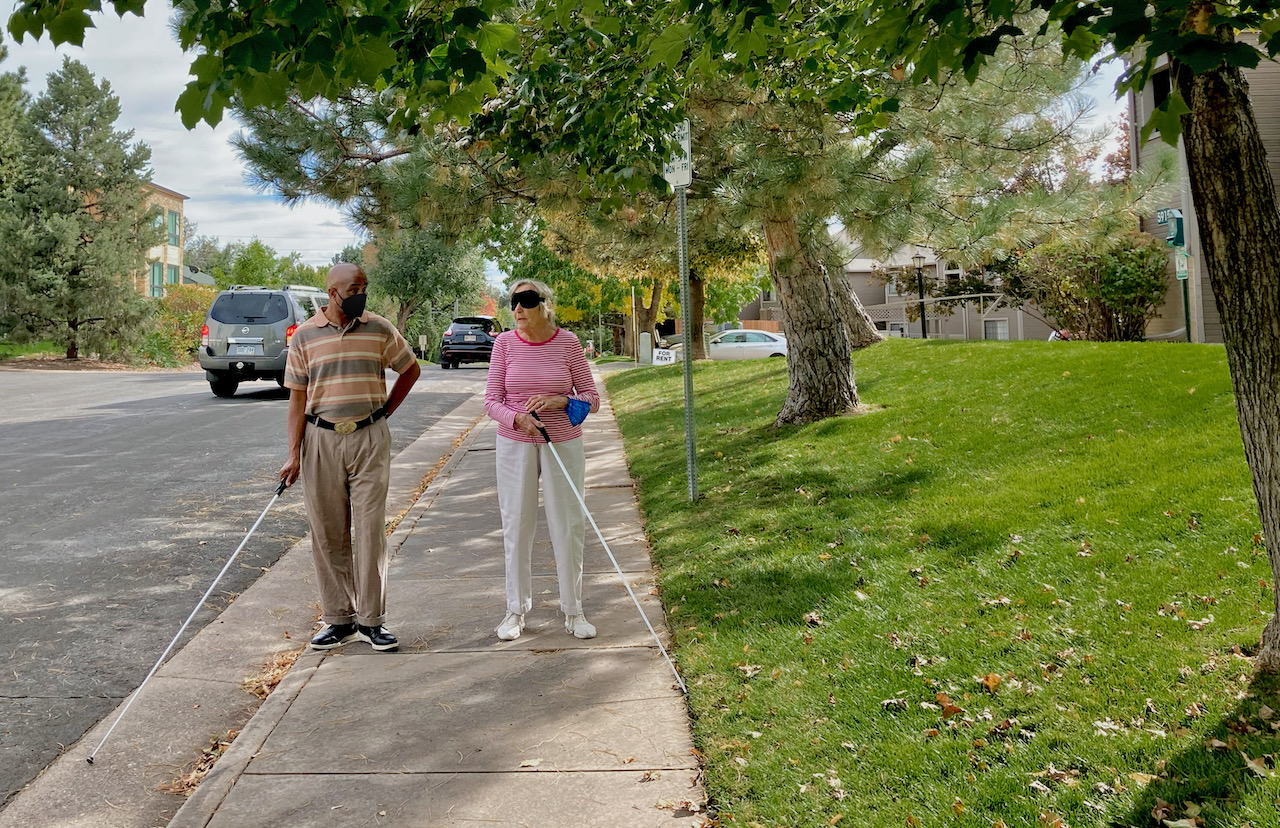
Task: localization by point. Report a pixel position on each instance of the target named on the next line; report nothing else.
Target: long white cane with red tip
(542, 430)
(279, 491)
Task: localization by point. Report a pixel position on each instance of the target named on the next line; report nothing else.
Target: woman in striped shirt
(538, 368)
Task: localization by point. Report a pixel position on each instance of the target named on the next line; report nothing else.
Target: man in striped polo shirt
(340, 445)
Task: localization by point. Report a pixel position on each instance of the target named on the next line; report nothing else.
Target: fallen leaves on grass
(949, 708)
(1258, 767)
(990, 682)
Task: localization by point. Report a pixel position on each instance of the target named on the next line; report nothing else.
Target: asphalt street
(122, 494)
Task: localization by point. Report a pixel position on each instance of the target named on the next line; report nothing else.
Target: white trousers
(520, 465)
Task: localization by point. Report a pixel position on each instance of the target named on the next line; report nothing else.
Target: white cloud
(148, 71)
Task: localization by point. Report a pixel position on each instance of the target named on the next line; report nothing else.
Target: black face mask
(526, 299)
(353, 306)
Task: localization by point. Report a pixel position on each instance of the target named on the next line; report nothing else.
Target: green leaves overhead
(431, 54)
(1166, 120)
(932, 36)
(668, 48)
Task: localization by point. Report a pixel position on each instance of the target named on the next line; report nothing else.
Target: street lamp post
(918, 261)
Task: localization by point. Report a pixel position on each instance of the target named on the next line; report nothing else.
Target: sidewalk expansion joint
(62, 698)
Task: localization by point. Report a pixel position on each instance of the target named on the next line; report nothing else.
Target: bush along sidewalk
(1021, 589)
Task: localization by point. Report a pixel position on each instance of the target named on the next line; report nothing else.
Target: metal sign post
(679, 174)
(1176, 239)
(1180, 270)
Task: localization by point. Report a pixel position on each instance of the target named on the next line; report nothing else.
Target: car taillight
(288, 333)
(204, 336)
(448, 331)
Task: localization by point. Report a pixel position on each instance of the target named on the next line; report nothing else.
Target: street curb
(203, 803)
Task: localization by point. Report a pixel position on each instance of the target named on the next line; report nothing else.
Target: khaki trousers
(344, 481)
(520, 465)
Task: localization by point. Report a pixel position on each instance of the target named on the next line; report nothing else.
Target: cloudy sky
(147, 71)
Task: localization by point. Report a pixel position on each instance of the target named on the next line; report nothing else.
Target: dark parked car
(468, 339)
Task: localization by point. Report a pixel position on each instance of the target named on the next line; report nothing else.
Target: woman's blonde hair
(545, 307)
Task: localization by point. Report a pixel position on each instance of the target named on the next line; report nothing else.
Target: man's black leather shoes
(379, 637)
(334, 635)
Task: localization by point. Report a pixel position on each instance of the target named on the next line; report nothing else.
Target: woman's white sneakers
(576, 625)
(509, 629)
(579, 627)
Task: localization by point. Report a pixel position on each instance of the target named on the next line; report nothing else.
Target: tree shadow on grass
(1212, 774)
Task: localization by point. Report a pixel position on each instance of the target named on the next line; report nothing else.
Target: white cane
(279, 491)
(542, 429)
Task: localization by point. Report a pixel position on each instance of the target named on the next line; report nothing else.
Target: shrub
(179, 317)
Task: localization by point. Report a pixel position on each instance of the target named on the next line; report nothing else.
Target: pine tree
(14, 168)
(79, 226)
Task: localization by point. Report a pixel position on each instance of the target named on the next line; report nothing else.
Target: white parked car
(745, 345)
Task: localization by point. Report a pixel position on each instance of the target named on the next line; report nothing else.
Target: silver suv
(247, 330)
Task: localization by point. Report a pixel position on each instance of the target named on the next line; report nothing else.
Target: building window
(996, 329)
(897, 329)
(1159, 86)
(157, 280)
(766, 296)
(172, 274)
(953, 272)
(173, 228)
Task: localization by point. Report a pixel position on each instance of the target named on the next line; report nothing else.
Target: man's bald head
(344, 281)
(341, 275)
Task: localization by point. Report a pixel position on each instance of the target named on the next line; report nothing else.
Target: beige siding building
(975, 316)
(978, 316)
(165, 265)
(1205, 323)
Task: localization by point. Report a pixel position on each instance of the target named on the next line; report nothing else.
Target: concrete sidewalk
(459, 728)
(198, 693)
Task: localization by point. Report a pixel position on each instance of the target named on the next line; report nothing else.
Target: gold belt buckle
(348, 427)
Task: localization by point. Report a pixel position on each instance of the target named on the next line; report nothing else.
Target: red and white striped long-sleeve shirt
(520, 369)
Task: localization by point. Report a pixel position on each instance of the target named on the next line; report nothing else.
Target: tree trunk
(819, 371)
(697, 314)
(403, 313)
(73, 347)
(647, 315)
(1235, 200)
(862, 331)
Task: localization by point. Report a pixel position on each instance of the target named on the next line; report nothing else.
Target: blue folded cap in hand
(577, 411)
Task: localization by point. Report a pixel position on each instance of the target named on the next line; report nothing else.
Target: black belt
(349, 426)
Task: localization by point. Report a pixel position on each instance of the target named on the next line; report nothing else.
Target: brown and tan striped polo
(342, 370)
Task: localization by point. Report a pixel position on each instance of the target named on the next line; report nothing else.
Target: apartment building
(164, 261)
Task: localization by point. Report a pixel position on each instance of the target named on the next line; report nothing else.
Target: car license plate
(469, 338)
(245, 350)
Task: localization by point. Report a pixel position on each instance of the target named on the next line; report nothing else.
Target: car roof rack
(246, 287)
(311, 288)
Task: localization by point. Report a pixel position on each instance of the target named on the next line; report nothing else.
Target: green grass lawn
(9, 350)
(1023, 587)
